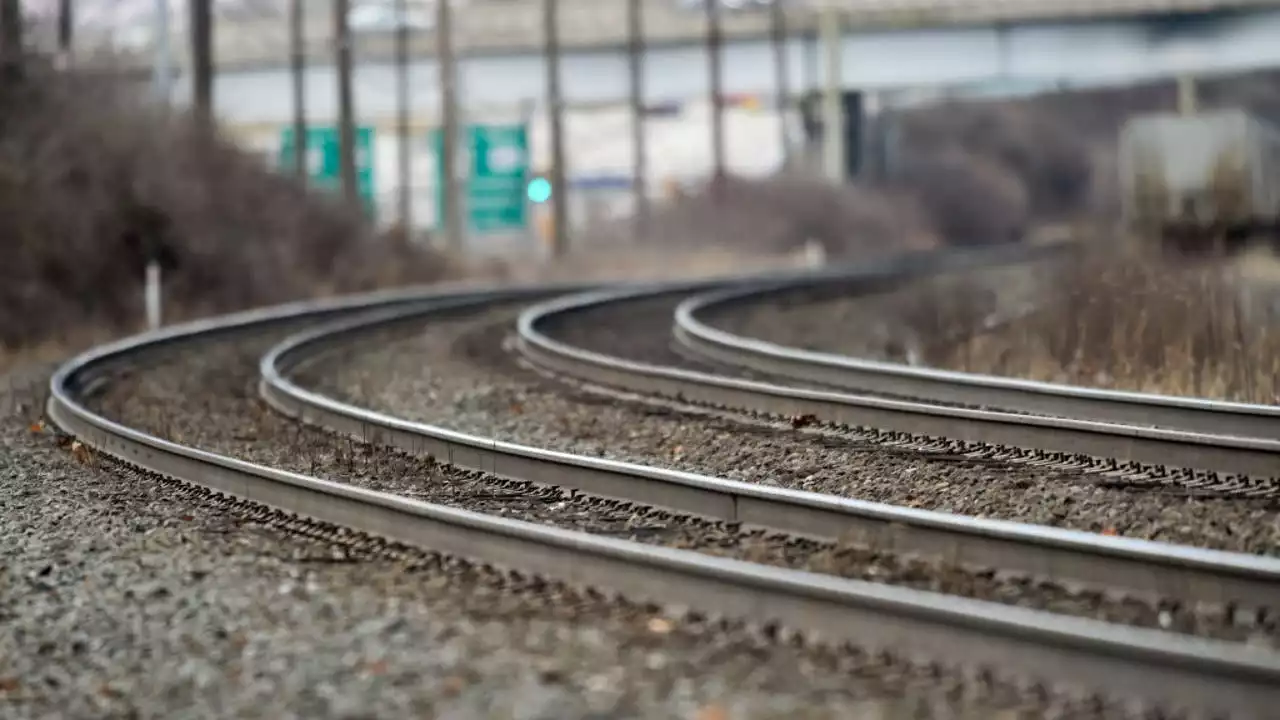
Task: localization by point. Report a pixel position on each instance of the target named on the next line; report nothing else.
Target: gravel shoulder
(124, 595)
(597, 658)
(455, 373)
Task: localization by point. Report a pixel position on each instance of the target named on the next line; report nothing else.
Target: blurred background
(578, 128)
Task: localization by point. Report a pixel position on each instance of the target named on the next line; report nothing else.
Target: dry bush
(1118, 318)
(778, 216)
(1025, 144)
(971, 199)
(93, 180)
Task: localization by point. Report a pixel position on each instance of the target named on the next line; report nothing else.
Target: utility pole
(717, 92)
(635, 63)
(832, 110)
(202, 61)
(455, 220)
(346, 109)
(782, 74)
(11, 39)
(402, 115)
(298, 62)
(162, 67)
(66, 31)
(555, 105)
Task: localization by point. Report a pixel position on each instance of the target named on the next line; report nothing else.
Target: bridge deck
(497, 26)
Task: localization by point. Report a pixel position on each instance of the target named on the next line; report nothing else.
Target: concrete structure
(257, 39)
(1057, 52)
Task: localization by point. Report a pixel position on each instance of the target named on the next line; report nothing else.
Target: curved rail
(802, 512)
(1254, 457)
(1185, 414)
(1144, 567)
(1181, 672)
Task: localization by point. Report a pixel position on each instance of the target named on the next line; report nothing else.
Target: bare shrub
(93, 181)
(1047, 157)
(972, 200)
(779, 215)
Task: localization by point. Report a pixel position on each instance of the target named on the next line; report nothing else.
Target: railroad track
(1169, 668)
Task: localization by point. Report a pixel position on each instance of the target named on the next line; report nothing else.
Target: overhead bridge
(886, 44)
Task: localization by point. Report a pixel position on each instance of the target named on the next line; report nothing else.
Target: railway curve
(1197, 674)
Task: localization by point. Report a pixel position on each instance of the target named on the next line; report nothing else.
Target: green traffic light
(539, 190)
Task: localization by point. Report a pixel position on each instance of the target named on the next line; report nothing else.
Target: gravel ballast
(205, 397)
(910, 321)
(124, 595)
(454, 373)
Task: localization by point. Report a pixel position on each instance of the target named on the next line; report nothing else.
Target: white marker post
(162, 86)
(152, 295)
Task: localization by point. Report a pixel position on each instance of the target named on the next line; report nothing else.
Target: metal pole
(555, 105)
(66, 31)
(346, 104)
(455, 221)
(297, 54)
(162, 68)
(11, 38)
(202, 60)
(635, 58)
(781, 74)
(832, 112)
(402, 115)
(717, 92)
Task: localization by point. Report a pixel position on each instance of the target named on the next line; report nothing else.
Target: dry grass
(1119, 319)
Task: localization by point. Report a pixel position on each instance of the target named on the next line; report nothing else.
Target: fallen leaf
(517, 408)
(715, 711)
(1110, 531)
(377, 667)
(81, 453)
(660, 626)
(188, 518)
(9, 684)
(37, 427)
(453, 685)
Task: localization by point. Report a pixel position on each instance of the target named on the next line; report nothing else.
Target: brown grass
(1120, 319)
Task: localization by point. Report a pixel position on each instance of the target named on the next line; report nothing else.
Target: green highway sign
(496, 159)
(322, 159)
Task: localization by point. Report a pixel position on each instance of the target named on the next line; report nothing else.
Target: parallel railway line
(694, 327)
(1244, 466)
(1168, 668)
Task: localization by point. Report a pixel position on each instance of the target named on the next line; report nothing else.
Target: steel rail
(1171, 671)
(1142, 567)
(1254, 457)
(1186, 414)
